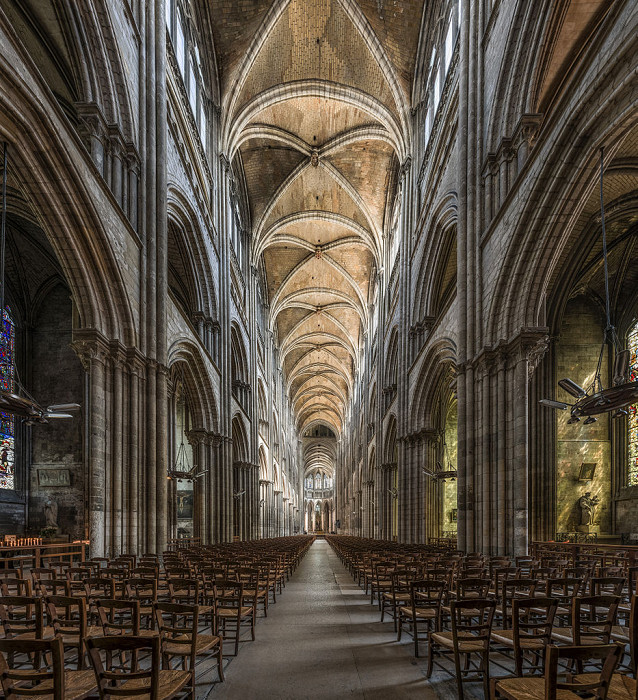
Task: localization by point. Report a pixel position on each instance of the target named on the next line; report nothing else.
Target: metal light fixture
(440, 472)
(595, 399)
(181, 468)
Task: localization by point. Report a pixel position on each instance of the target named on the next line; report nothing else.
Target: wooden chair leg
(430, 657)
(486, 673)
(459, 677)
(518, 659)
(220, 660)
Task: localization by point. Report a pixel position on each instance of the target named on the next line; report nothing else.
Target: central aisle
(323, 639)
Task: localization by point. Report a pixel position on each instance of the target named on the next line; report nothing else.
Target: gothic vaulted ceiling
(314, 105)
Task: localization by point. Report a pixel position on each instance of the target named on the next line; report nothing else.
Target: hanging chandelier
(181, 467)
(440, 472)
(595, 399)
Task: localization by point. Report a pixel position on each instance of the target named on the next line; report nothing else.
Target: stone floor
(323, 639)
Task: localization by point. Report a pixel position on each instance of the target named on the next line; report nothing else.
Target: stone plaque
(54, 477)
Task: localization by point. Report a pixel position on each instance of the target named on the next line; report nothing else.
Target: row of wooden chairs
(181, 601)
(433, 598)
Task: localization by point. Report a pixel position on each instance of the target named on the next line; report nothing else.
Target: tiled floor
(323, 639)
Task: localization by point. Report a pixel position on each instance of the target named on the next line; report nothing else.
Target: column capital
(90, 346)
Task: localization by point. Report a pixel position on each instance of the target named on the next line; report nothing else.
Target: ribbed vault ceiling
(314, 96)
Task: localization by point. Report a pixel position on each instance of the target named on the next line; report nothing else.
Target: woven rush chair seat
(232, 612)
(550, 687)
(621, 687)
(471, 622)
(506, 637)
(529, 689)
(53, 681)
(128, 682)
(424, 610)
(465, 646)
(421, 613)
(180, 639)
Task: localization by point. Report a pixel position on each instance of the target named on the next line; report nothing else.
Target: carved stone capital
(90, 347)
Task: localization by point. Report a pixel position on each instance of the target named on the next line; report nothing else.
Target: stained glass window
(632, 421)
(7, 421)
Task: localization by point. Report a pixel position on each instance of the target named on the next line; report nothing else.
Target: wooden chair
(424, 610)
(52, 586)
(254, 592)
(471, 630)
(532, 621)
(564, 590)
(119, 616)
(511, 589)
(67, 616)
(22, 618)
(550, 687)
(180, 639)
(398, 595)
(231, 611)
(382, 581)
(593, 618)
(76, 576)
(97, 589)
(51, 681)
(15, 586)
(128, 680)
(144, 591)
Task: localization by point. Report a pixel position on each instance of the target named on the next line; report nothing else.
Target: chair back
(229, 594)
(472, 620)
(99, 588)
(119, 616)
(611, 585)
(177, 625)
(472, 587)
(53, 586)
(67, 614)
(21, 615)
(143, 590)
(593, 617)
(427, 594)
(184, 590)
(533, 618)
(15, 586)
(598, 687)
(511, 588)
(35, 682)
(114, 682)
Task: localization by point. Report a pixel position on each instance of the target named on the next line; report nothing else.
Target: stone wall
(57, 377)
(577, 355)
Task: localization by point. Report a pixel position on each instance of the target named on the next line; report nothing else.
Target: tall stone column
(196, 438)
(117, 412)
(93, 352)
(150, 502)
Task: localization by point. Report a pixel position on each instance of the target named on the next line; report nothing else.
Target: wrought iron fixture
(181, 468)
(21, 403)
(440, 471)
(595, 399)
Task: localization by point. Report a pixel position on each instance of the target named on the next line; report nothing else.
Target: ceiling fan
(22, 404)
(595, 399)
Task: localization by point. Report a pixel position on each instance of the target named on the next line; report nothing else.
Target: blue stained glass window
(632, 421)
(7, 420)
